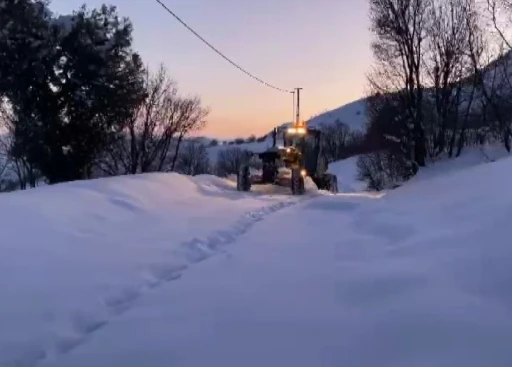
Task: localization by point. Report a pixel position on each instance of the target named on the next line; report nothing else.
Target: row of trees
(440, 82)
(77, 102)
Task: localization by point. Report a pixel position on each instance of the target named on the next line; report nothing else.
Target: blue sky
(321, 46)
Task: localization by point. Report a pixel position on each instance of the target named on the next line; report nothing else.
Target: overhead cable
(220, 53)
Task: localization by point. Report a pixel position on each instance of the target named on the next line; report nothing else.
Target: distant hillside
(497, 75)
(352, 114)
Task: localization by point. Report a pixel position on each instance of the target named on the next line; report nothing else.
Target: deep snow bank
(429, 272)
(418, 277)
(73, 255)
(346, 169)
(470, 157)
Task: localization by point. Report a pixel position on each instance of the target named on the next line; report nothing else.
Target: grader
(288, 165)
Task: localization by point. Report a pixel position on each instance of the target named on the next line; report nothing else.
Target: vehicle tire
(297, 182)
(243, 179)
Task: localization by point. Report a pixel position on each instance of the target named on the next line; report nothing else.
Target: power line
(220, 53)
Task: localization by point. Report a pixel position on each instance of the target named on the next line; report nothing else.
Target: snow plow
(299, 157)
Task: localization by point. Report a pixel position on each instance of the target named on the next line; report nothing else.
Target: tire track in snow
(82, 324)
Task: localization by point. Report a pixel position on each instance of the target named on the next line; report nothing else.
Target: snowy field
(161, 269)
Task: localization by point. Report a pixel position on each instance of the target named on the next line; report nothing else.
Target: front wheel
(297, 182)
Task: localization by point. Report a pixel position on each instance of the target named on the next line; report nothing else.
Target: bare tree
(491, 78)
(193, 158)
(191, 118)
(154, 134)
(438, 84)
(447, 65)
(230, 160)
(380, 170)
(500, 12)
(335, 138)
(503, 8)
(400, 27)
(475, 47)
(382, 162)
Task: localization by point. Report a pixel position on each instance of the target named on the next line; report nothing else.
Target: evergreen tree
(76, 91)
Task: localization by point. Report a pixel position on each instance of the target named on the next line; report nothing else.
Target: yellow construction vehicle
(301, 156)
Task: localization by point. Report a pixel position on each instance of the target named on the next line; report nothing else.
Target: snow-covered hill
(353, 114)
(161, 268)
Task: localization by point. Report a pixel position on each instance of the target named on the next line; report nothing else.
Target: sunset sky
(321, 46)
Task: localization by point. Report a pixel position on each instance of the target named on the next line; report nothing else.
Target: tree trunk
(176, 152)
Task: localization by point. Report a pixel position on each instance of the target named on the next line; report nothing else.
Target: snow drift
(73, 255)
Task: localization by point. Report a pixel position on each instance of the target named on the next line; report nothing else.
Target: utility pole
(293, 107)
(297, 122)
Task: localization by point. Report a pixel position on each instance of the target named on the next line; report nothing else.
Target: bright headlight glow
(303, 172)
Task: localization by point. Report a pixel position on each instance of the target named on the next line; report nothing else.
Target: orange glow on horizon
(242, 123)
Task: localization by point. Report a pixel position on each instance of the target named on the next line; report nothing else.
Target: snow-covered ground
(161, 269)
(73, 256)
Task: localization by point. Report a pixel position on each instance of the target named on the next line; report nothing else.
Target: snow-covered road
(273, 299)
(418, 277)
